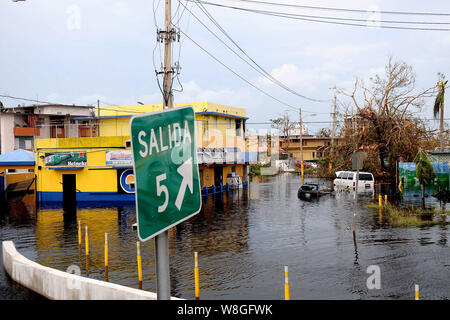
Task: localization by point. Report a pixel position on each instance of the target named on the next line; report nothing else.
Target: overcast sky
(81, 51)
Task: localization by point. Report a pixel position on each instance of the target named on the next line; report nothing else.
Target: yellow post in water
(302, 169)
(139, 262)
(196, 280)
(79, 233)
(286, 283)
(416, 292)
(106, 250)
(86, 238)
(385, 199)
(380, 202)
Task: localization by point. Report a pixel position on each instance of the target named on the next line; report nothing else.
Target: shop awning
(17, 157)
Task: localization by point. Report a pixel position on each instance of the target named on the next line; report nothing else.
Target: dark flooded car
(308, 191)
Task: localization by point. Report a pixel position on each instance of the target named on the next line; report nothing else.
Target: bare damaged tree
(385, 124)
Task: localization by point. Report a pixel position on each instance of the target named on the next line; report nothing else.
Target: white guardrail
(59, 285)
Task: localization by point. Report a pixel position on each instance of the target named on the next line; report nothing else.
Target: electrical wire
(342, 9)
(259, 69)
(239, 76)
(320, 19)
(39, 101)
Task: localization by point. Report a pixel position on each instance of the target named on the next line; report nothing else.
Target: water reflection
(244, 238)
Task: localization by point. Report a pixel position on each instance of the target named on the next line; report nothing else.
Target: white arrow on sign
(185, 170)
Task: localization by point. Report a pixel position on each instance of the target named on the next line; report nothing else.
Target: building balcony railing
(26, 131)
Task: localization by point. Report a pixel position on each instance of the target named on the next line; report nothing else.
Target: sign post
(357, 164)
(167, 179)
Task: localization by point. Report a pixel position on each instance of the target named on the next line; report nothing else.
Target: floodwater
(244, 239)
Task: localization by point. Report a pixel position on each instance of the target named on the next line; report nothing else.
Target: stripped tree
(385, 124)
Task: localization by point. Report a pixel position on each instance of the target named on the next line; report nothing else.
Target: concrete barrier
(58, 285)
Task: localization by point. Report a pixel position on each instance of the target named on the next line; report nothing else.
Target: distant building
(314, 148)
(19, 126)
(295, 130)
(257, 146)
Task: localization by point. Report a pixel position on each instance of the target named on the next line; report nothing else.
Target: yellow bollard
(196, 280)
(139, 262)
(302, 170)
(385, 199)
(87, 241)
(286, 283)
(380, 214)
(79, 233)
(380, 202)
(416, 292)
(106, 256)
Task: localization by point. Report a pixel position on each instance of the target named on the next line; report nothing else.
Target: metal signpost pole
(162, 266)
(356, 193)
(162, 240)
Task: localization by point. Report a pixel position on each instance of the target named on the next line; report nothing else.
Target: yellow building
(314, 148)
(96, 165)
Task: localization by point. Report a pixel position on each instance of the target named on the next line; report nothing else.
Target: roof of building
(17, 157)
(44, 106)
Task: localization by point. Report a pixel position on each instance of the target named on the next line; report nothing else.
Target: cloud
(444, 40)
(298, 79)
(120, 9)
(193, 92)
(341, 50)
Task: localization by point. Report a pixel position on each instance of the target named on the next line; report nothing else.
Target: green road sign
(166, 169)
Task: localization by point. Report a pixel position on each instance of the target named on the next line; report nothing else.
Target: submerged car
(308, 191)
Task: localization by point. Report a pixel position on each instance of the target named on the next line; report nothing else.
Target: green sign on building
(66, 159)
(166, 169)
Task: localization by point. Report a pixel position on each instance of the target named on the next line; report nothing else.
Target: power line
(259, 69)
(320, 19)
(344, 9)
(333, 18)
(239, 76)
(124, 108)
(40, 101)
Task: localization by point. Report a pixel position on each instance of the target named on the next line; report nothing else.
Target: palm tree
(439, 107)
(424, 173)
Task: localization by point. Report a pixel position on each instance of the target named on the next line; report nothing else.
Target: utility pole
(162, 240)
(168, 36)
(98, 115)
(301, 145)
(333, 133)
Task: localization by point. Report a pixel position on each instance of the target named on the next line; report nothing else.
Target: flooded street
(244, 239)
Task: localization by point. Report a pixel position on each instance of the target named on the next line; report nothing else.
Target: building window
(205, 129)
(24, 143)
(314, 155)
(238, 128)
(215, 123)
(228, 123)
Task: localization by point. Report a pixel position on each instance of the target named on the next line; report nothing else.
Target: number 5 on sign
(165, 169)
(160, 189)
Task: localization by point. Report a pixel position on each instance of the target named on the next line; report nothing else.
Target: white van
(347, 180)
